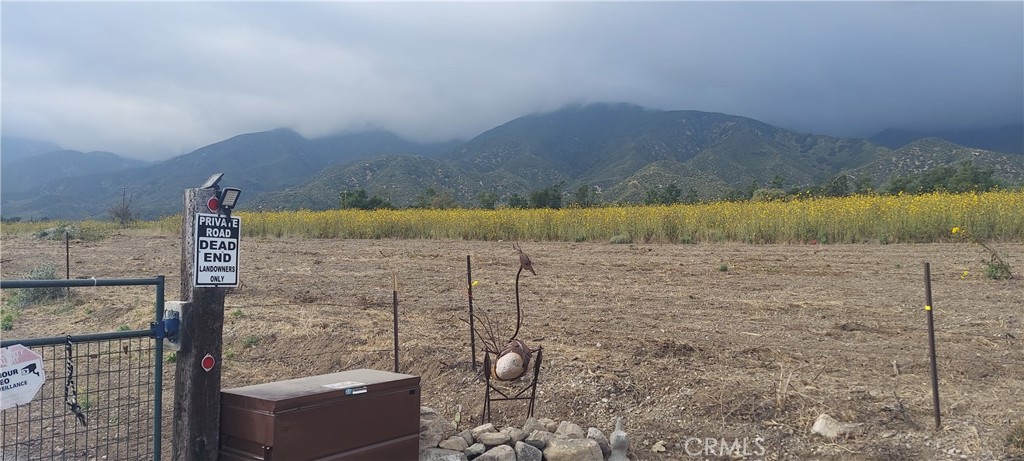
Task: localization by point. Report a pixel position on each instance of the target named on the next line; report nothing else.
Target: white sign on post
(21, 375)
(216, 238)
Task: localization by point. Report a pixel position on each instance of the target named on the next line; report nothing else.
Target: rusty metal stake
(394, 305)
(931, 343)
(469, 292)
(67, 262)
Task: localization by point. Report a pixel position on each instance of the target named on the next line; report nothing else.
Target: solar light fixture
(212, 182)
(223, 200)
(228, 199)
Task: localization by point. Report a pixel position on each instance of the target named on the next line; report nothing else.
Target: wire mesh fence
(99, 395)
(110, 381)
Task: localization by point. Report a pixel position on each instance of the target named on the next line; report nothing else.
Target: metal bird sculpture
(524, 261)
(514, 360)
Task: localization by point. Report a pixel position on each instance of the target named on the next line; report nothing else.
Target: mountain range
(621, 150)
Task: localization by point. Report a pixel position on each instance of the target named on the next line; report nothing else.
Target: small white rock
(830, 428)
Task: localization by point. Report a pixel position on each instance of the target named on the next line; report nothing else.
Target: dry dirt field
(701, 341)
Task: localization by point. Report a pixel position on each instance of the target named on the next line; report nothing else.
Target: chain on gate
(70, 388)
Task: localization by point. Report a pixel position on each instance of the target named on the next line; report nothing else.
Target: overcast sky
(156, 80)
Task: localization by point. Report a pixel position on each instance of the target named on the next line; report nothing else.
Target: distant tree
(691, 195)
(963, 177)
(432, 199)
(358, 199)
(969, 177)
(746, 193)
(123, 214)
(548, 197)
(585, 196)
(487, 200)
(777, 182)
(517, 201)
(443, 201)
(735, 195)
(902, 184)
(863, 184)
(669, 195)
(423, 200)
(749, 193)
(11, 219)
(838, 186)
(768, 195)
(652, 196)
(352, 199)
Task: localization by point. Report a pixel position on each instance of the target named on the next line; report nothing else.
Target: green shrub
(82, 230)
(998, 270)
(57, 232)
(7, 322)
(251, 341)
(995, 268)
(29, 296)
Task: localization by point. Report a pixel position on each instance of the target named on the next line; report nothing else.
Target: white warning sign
(216, 240)
(21, 375)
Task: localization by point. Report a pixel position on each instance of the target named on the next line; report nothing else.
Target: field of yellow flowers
(873, 218)
(997, 216)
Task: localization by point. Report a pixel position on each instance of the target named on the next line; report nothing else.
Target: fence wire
(114, 383)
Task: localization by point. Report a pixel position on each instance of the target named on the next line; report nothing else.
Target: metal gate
(102, 394)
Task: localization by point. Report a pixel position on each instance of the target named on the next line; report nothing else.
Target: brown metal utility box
(357, 415)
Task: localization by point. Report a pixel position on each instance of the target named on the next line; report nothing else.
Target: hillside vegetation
(618, 151)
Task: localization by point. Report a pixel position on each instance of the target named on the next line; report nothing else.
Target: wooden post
(196, 435)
